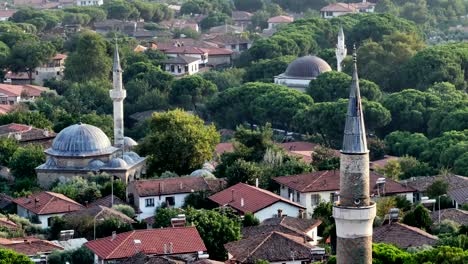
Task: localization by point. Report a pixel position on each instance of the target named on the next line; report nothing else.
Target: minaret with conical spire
(117, 95)
(354, 213)
(340, 50)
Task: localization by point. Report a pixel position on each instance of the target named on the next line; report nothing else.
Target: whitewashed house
(182, 65)
(193, 52)
(53, 69)
(89, 2)
(147, 195)
(261, 203)
(323, 186)
(339, 9)
(41, 207)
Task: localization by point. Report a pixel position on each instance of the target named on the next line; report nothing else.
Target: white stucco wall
(179, 200)
(305, 199)
(272, 211)
(23, 212)
(298, 84)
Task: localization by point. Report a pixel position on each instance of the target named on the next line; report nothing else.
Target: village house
(274, 247)
(125, 27)
(225, 29)
(13, 94)
(89, 2)
(339, 9)
(108, 201)
(276, 21)
(5, 14)
(34, 248)
(25, 134)
(188, 51)
(53, 69)
(234, 42)
(457, 187)
(179, 241)
(179, 24)
(182, 65)
(147, 195)
(219, 57)
(323, 186)
(261, 203)
(241, 18)
(402, 236)
(456, 215)
(300, 227)
(41, 207)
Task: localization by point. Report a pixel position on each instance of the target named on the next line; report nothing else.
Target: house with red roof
(310, 189)
(42, 206)
(36, 249)
(261, 203)
(147, 195)
(403, 236)
(13, 94)
(188, 51)
(175, 241)
(339, 9)
(273, 22)
(25, 134)
(53, 69)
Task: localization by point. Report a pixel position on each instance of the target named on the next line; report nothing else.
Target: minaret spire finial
(354, 140)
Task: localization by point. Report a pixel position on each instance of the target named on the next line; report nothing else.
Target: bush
(419, 217)
(446, 227)
(125, 209)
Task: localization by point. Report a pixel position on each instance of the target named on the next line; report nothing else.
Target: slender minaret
(355, 212)
(340, 50)
(117, 95)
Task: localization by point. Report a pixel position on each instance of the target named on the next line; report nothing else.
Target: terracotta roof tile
(224, 147)
(330, 181)
(185, 50)
(281, 19)
(30, 246)
(107, 201)
(456, 215)
(286, 224)
(155, 187)
(241, 15)
(101, 212)
(255, 198)
(403, 236)
(28, 133)
(16, 90)
(455, 182)
(4, 109)
(183, 239)
(44, 203)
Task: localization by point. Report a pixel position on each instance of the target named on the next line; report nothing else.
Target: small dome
(50, 162)
(133, 155)
(81, 140)
(307, 67)
(208, 166)
(128, 159)
(202, 173)
(116, 163)
(96, 164)
(129, 142)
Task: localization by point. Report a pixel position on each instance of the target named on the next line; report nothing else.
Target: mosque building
(83, 150)
(301, 71)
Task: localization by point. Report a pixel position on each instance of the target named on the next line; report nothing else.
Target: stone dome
(96, 164)
(307, 67)
(203, 173)
(208, 166)
(81, 140)
(129, 142)
(117, 163)
(127, 158)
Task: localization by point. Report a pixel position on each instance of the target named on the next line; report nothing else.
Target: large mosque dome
(81, 140)
(307, 67)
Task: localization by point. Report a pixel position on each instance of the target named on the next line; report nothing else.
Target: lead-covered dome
(307, 67)
(81, 140)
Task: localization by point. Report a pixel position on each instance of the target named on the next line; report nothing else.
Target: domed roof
(208, 166)
(127, 158)
(202, 173)
(81, 140)
(133, 155)
(307, 67)
(129, 142)
(117, 163)
(96, 164)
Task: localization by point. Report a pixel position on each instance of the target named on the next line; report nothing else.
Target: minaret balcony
(118, 94)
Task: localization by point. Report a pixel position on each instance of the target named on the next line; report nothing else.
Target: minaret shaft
(118, 95)
(340, 50)
(355, 212)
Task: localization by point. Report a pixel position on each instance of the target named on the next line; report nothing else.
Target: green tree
(331, 86)
(119, 189)
(243, 171)
(178, 142)
(215, 19)
(26, 56)
(248, 5)
(106, 227)
(418, 217)
(79, 189)
(11, 257)
(391, 170)
(265, 70)
(225, 79)
(388, 254)
(8, 146)
(215, 229)
(443, 254)
(121, 10)
(190, 91)
(162, 217)
(325, 159)
(411, 167)
(439, 187)
(460, 166)
(25, 160)
(89, 60)
(401, 143)
(250, 220)
(125, 209)
(34, 119)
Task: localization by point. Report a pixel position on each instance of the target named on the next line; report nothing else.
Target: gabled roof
(303, 149)
(456, 215)
(403, 236)
(4, 109)
(155, 187)
(181, 59)
(185, 50)
(272, 247)
(254, 198)
(44, 203)
(107, 201)
(29, 246)
(218, 51)
(457, 185)
(28, 133)
(17, 90)
(152, 242)
(100, 212)
(286, 224)
(339, 7)
(281, 19)
(330, 181)
(241, 15)
(227, 39)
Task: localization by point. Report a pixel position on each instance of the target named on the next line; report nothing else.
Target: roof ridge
(417, 230)
(259, 245)
(48, 202)
(118, 246)
(307, 186)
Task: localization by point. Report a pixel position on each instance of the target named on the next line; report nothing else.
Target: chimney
(171, 247)
(280, 213)
(165, 248)
(301, 213)
(36, 201)
(114, 235)
(256, 182)
(242, 202)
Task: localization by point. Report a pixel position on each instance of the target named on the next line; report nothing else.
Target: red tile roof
(60, 56)
(4, 222)
(339, 7)
(16, 90)
(28, 133)
(29, 246)
(44, 203)
(155, 187)
(224, 147)
(403, 236)
(183, 239)
(185, 50)
(7, 13)
(218, 51)
(303, 149)
(5, 109)
(255, 198)
(330, 181)
(281, 19)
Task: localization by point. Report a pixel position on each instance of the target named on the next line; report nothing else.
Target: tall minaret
(340, 50)
(355, 212)
(117, 95)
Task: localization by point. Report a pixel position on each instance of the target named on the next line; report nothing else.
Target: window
(233, 46)
(186, 68)
(149, 202)
(298, 197)
(315, 199)
(290, 194)
(329, 14)
(170, 201)
(172, 68)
